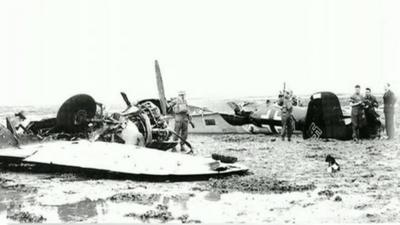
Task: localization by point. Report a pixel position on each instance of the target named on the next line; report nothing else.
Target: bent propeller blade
(125, 97)
(160, 87)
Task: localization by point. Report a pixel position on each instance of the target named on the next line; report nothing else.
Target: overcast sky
(50, 50)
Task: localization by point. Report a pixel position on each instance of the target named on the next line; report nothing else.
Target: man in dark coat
(373, 123)
(389, 101)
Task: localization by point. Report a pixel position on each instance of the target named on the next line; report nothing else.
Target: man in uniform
(268, 103)
(285, 102)
(17, 122)
(293, 97)
(373, 123)
(357, 112)
(182, 118)
(389, 100)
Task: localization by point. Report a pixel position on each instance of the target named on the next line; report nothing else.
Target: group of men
(363, 112)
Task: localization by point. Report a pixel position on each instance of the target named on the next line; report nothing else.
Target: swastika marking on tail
(315, 131)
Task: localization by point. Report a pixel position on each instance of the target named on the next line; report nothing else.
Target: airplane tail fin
(234, 106)
(324, 118)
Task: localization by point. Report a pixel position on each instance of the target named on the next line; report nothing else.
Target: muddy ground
(289, 184)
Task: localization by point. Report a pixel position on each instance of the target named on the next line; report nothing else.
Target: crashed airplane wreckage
(256, 119)
(83, 138)
(322, 118)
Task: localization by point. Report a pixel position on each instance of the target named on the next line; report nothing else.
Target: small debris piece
(185, 219)
(224, 158)
(338, 199)
(161, 213)
(328, 193)
(143, 199)
(237, 149)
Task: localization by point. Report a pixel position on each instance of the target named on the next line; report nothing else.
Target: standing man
(293, 97)
(373, 123)
(17, 122)
(268, 103)
(285, 102)
(182, 118)
(357, 112)
(389, 100)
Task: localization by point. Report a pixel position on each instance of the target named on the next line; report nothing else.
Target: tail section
(324, 118)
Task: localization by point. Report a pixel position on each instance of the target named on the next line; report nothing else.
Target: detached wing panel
(120, 158)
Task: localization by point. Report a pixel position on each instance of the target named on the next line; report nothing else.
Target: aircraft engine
(81, 117)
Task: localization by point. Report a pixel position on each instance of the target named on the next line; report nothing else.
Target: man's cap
(368, 89)
(181, 93)
(357, 86)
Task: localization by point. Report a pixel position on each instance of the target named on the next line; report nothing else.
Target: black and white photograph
(199, 112)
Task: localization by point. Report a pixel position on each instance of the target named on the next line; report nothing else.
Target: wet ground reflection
(79, 211)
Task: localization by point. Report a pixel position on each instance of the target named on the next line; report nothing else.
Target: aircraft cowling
(75, 112)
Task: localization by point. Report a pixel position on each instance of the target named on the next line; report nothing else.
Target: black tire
(83, 106)
(224, 158)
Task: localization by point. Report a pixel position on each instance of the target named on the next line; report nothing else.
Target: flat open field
(288, 184)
